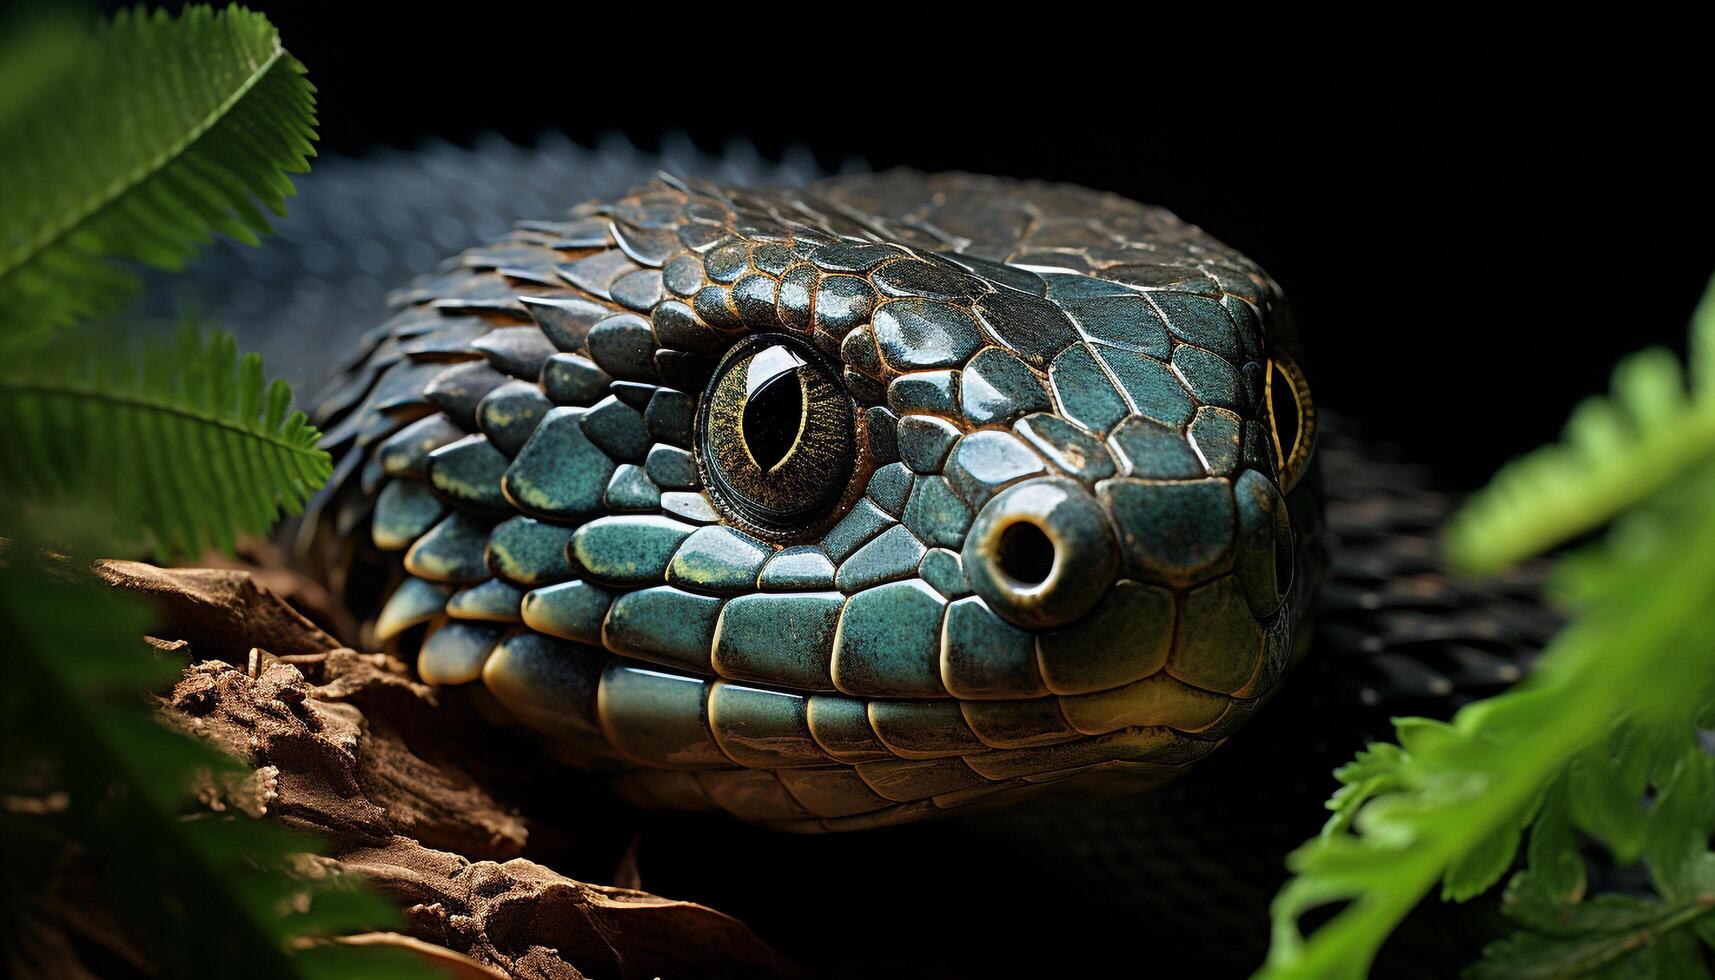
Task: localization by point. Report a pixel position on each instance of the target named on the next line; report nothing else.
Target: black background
(1471, 223)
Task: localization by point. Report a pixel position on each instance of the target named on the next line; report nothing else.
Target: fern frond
(1610, 713)
(1702, 346)
(184, 442)
(174, 129)
(1600, 741)
(1615, 452)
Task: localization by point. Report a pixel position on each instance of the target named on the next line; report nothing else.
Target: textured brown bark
(346, 746)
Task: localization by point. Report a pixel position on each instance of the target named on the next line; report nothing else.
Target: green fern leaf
(1615, 936)
(1448, 802)
(184, 443)
(1703, 342)
(174, 129)
(1615, 452)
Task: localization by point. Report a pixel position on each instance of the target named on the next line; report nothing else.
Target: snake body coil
(838, 507)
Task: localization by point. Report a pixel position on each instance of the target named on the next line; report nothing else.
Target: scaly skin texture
(531, 443)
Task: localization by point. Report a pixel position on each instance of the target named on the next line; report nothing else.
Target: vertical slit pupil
(1026, 554)
(771, 419)
(1284, 411)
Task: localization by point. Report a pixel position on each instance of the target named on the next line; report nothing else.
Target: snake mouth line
(681, 739)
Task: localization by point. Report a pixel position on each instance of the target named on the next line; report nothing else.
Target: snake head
(847, 507)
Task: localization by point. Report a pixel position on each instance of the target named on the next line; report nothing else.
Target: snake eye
(777, 435)
(1291, 417)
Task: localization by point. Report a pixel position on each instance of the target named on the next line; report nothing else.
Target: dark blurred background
(1471, 223)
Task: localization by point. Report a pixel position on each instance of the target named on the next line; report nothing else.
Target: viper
(896, 497)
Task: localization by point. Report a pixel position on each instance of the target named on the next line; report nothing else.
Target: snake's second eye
(777, 435)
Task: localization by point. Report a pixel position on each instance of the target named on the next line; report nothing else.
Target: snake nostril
(1026, 554)
(1041, 553)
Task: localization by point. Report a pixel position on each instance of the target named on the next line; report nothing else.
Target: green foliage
(1616, 452)
(1565, 933)
(39, 51)
(184, 443)
(211, 894)
(137, 143)
(1598, 747)
(153, 134)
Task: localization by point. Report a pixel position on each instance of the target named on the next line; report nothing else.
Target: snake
(895, 496)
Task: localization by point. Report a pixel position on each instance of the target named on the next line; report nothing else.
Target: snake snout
(1041, 553)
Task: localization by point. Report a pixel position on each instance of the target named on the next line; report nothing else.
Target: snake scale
(893, 496)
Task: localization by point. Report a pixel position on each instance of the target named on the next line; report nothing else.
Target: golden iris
(778, 435)
(1291, 419)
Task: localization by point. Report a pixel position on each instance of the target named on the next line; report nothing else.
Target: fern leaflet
(169, 130)
(184, 443)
